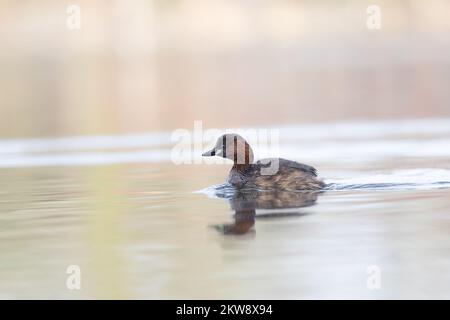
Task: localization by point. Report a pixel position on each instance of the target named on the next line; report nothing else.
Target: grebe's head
(234, 147)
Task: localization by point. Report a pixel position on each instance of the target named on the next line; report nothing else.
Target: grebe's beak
(209, 153)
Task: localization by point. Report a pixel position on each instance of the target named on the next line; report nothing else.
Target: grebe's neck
(241, 167)
(242, 155)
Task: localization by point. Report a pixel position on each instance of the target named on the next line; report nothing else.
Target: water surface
(141, 227)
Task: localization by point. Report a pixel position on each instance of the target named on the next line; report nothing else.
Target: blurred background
(152, 65)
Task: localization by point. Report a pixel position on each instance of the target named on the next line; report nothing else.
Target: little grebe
(266, 174)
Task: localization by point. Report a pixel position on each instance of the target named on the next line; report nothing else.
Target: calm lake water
(139, 226)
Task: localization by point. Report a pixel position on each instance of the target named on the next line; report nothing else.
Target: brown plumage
(266, 174)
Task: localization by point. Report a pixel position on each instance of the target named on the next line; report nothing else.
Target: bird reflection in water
(269, 204)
